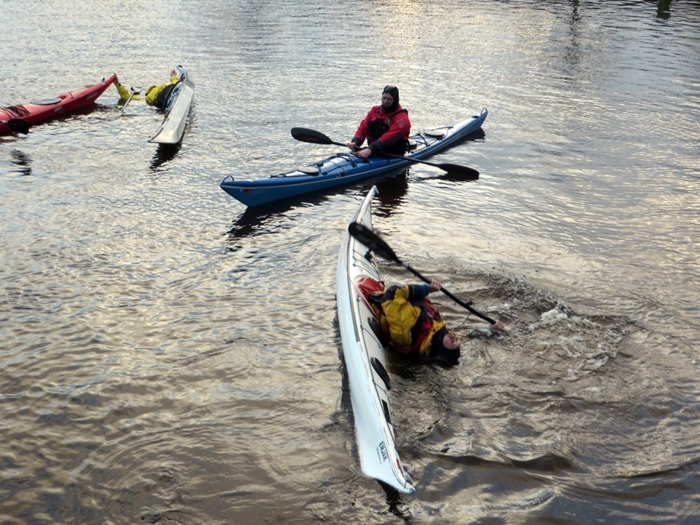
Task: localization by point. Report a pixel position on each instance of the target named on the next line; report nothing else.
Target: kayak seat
(309, 170)
(434, 133)
(47, 102)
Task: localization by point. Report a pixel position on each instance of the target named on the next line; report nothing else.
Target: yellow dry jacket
(407, 316)
(151, 97)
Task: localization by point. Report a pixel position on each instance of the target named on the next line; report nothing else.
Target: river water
(167, 356)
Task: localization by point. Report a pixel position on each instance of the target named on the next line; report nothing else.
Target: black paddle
(381, 248)
(316, 137)
(17, 125)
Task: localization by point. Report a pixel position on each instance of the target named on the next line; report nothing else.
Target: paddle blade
(18, 125)
(370, 239)
(310, 135)
(457, 172)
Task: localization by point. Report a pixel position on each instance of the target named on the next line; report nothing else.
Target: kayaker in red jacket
(386, 127)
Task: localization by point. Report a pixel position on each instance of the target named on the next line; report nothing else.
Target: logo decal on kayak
(383, 454)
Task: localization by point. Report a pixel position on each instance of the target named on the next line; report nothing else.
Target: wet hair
(438, 350)
(394, 92)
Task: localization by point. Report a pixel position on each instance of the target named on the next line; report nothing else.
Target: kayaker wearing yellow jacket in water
(411, 321)
(155, 95)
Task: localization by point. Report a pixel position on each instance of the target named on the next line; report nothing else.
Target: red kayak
(19, 118)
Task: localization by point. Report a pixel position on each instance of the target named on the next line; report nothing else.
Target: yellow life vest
(411, 325)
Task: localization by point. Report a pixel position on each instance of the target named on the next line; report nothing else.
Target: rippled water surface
(167, 356)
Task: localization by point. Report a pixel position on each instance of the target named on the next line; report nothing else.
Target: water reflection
(23, 162)
(391, 194)
(165, 153)
(258, 219)
(573, 53)
(393, 499)
(663, 9)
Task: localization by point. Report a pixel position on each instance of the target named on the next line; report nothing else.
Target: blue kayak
(347, 168)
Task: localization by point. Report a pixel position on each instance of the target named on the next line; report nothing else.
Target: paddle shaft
(444, 167)
(316, 137)
(379, 246)
(448, 294)
(133, 92)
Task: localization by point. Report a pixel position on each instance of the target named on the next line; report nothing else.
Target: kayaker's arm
(365, 153)
(355, 146)
(375, 147)
(377, 245)
(355, 143)
(125, 94)
(121, 89)
(434, 285)
(413, 292)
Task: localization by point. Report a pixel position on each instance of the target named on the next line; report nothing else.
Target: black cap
(440, 352)
(394, 92)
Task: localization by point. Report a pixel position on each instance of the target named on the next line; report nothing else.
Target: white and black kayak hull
(365, 362)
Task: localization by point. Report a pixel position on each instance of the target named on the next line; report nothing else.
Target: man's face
(450, 341)
(387, 100)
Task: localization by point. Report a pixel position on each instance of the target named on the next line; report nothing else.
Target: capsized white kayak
(365, 362)
(176, 111)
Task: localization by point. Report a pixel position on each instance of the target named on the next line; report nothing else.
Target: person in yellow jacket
(155, 95)
(413, 324)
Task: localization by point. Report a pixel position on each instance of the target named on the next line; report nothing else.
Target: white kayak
(177, 109)
(365, 362)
